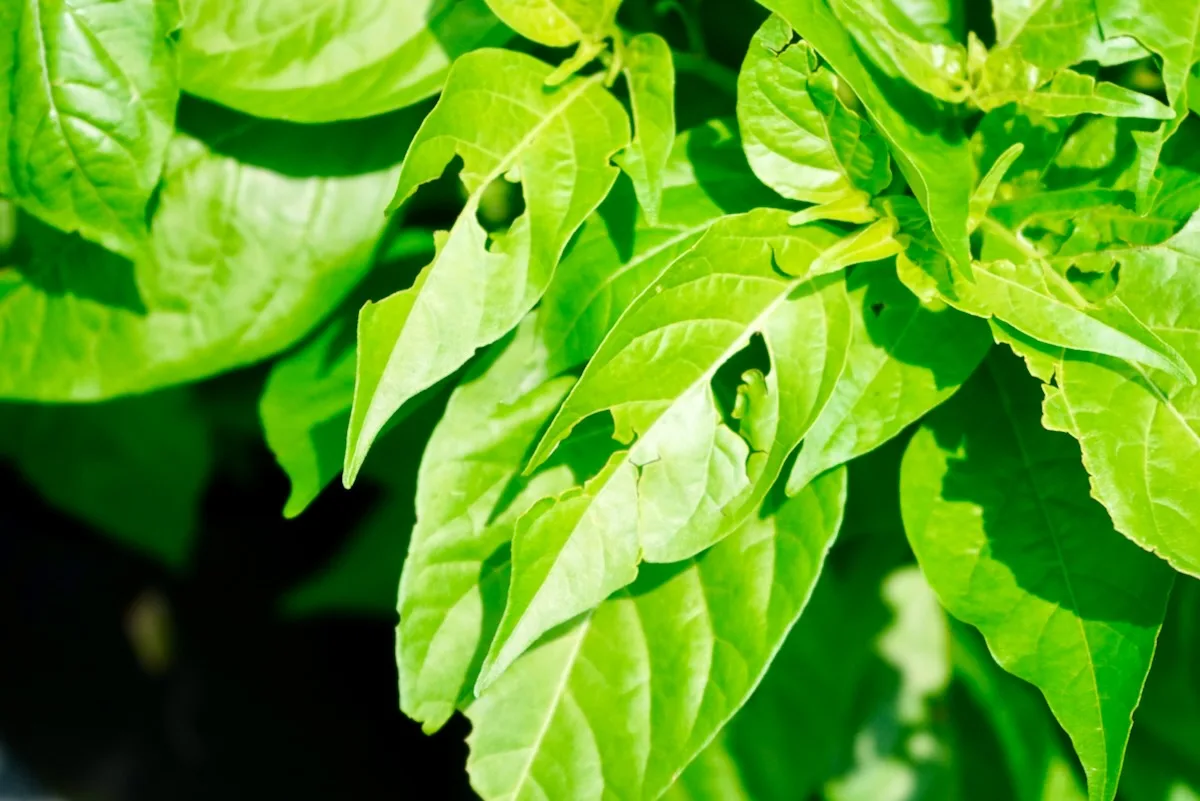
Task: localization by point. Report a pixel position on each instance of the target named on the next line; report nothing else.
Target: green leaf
(998, 512)
(926, 56)
(618, 253)
(558, 23)
(800, 137)
(985, 192)
(1036, 761)
(135, 468)
(1168, 719)
(305, 409)
(928, 146)
(253, 242)
(713, 774)
(851, 677)
(904, 360)
(91, 108)
(650, 73)
(1034, 299)
(1031, 297)
(457, 559)
(690, 477)
(1007, 78)
(497, 116)
(1053, 34)
(619, 702)
(1171, 29)
(320, 61)
(1140, 429)
(305, 404)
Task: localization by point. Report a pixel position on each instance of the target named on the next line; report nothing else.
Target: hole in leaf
(877, 308)
(437, 201)
(1094, 284)
(500, 204)
(730, 377)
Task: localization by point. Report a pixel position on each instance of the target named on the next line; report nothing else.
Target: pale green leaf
(457, 560)
(1031, 297)
(135, 469)
(874, 242)
(1053, 34)
(499, 118)
(688, 476)
(800, 137)
(1139, 429)
(927, 56)
(1006, 77)
(619, 702)
(1035, 300)
(305, 403)
(318, 61)
(650, 74)
(928, 146)
(859, 675)
(558, 23)
(998, 512)
(985, 192)
(904, 360)
(618, 253)
(91, 108)
(252, 244)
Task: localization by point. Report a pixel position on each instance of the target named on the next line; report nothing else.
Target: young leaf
(134, 468)
(933, 157)
(252, 244)
(904, 360)
(456, 562)
(91, 107)
(264, 57)
(1035, 300)
(690, 477)
(1007, 78)
(800, 137)
(998, 513)
(1031, 297)
(497, 115)
(620, 701)
(650, 74)
(985, 192)
(1139, 430)
(618, 253)
(558, 23)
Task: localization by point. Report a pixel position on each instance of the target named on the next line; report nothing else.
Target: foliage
(670, 333)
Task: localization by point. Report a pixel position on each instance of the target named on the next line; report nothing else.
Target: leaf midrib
(1052, 529)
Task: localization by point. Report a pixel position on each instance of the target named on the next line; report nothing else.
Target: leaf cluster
(797, 390)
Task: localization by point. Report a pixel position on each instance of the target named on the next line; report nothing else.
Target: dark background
(252, 703)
